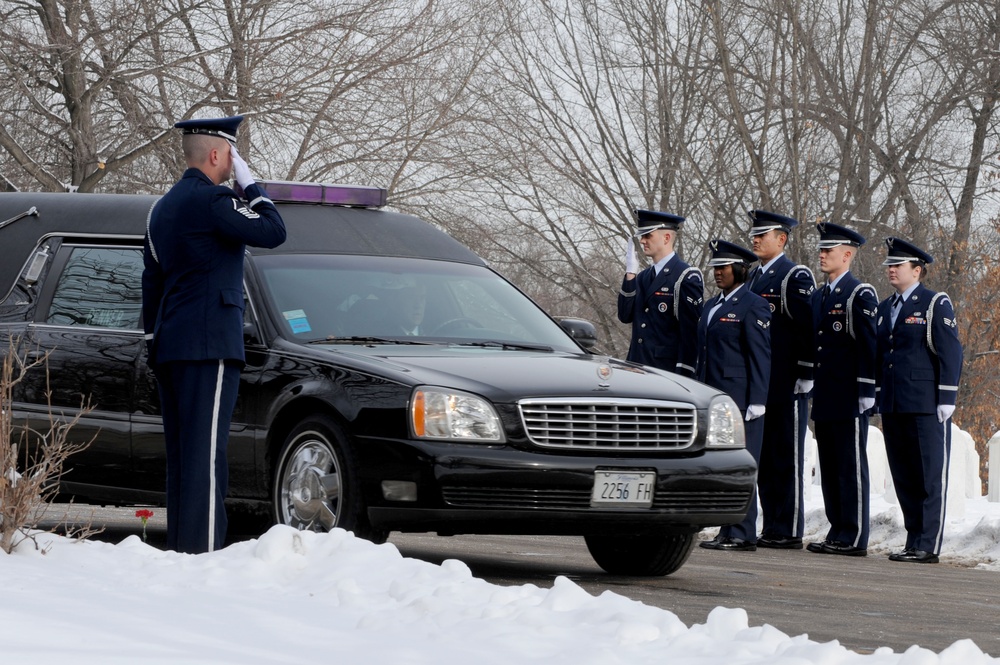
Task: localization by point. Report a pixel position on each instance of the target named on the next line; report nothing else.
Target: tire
(642, 556)
(316, 485)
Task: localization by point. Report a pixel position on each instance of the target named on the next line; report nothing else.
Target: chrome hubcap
(310, 485)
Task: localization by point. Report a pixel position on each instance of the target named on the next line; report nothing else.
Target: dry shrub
(31, 462)
(978, 409)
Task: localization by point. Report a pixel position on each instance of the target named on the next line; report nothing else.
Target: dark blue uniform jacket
(192, 285)
(912, 377)
(845, 348)
(664, 316)
(791, 325)
(734, 348)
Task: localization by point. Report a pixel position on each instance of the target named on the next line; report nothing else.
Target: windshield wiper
(355, 339)
(512, 346)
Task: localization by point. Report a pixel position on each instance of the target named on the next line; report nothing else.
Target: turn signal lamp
(355, 196)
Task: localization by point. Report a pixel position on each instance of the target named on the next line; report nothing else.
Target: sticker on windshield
(297, 320)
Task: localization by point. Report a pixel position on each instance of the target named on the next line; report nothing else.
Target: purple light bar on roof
(317, 192)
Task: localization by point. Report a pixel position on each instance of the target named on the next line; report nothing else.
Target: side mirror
(583, 331)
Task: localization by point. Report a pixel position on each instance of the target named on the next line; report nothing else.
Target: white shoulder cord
(850, 306)
(149, 218)
(677, 288)
(930, 319)
(784, 286)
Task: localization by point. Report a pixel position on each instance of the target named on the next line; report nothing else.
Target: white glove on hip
(865, 403)
(944, 412)
(803, 386)
(631, 260)
(240, 169)
(755, 411)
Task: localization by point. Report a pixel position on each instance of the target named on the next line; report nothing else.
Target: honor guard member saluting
(664, 301)
(787, 288)
(192, 300)
(844, 391)
(734, 355)
(920, 361)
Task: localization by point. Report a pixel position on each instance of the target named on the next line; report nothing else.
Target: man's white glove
(803, 386)
(865, 403)
(755, 411)
(631, 260)
(944, 412)
(240, 169)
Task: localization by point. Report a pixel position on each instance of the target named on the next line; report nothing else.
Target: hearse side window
(99, 287)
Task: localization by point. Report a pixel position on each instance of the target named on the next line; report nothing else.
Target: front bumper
(491, 490)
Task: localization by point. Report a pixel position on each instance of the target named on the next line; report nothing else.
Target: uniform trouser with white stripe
(197, 400)
(747, 529)
(919, 450)
(842, 447)
(779, 478)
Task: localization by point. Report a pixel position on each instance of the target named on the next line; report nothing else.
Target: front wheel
(643, 555)
(316, 486)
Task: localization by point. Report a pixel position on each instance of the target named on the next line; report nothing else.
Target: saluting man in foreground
(192, 302)
(917, 381)
(734, 355)
(663, 302)
(844, 391)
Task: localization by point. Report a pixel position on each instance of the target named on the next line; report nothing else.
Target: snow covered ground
(293, 597)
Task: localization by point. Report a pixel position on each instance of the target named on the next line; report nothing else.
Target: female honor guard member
(787, 288)
(917, 379)
(192, 307)
(664, 301)
(734, 355)
(844, 391)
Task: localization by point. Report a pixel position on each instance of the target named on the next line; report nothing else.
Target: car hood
(509, 375)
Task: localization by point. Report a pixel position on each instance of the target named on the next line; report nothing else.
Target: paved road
(864, 603)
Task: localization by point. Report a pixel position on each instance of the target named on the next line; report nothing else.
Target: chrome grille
(679, 502)
(613, 425)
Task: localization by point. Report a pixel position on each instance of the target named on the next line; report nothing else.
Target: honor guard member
(664, 301)
(920, 361)
(844, 390)
(192, 299)
(788, 289)
(734, 355)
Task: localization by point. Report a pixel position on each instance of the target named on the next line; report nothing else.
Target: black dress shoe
(844, 549)
(730, 544)
(816, 547)
(914, 556)
(780, 542)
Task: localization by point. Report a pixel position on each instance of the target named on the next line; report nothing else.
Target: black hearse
(393, 382)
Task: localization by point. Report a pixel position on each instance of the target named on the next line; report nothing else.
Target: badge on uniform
(837, 326)
(662, 307)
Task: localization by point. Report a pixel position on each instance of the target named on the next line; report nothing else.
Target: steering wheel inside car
(455, 324)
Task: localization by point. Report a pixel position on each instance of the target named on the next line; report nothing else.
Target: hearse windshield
(350, 299)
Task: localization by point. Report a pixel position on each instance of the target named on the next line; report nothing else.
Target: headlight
(725, 424)
(439, 413)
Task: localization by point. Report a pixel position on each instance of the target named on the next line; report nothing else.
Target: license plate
(625, 489)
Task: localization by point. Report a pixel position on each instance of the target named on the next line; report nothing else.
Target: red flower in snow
(144, 515)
